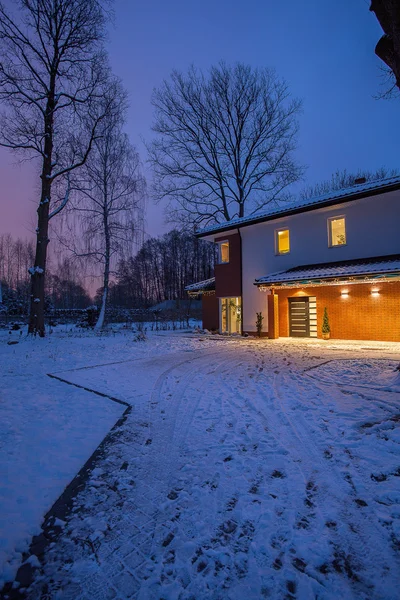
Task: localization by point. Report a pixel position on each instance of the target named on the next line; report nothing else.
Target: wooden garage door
(299, 317)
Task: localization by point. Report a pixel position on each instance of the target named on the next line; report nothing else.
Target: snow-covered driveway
(49, 429)
(245, 470)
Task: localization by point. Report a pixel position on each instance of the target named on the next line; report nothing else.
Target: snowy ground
(49, 429)
(247, 469)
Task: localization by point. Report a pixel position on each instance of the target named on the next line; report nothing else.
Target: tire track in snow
(282, 538)
(303, 441)
(131, 547)
(227, 528)
(168, 469)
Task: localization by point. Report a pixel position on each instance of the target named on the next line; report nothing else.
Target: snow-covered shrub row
(154, 319)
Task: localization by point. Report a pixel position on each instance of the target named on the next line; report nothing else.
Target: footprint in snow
(254, 489)
(360, 502)
(278, 474)
(231, 504)
(291, 588)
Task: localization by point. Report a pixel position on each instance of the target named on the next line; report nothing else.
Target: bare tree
(51, 76)
(15, 259)
(388, 47)
(109, 197)
(225, 142)
(343, 179)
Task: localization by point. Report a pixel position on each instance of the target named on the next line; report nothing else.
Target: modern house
(340, 251)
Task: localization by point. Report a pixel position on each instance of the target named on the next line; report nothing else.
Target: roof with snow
(207, 285)
(355, 192)
(364, 268)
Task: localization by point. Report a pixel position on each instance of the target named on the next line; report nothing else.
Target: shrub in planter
(259, 323)
(326, 328)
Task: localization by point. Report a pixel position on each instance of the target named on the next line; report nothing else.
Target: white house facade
(339, 252)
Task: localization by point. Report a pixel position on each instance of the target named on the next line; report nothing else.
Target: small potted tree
(259, 323)
(326, 328)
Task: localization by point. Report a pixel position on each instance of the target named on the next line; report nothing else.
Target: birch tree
(225, 142)
(51, 76)
(109, 196)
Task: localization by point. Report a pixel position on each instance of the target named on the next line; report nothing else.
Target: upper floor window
(223, 252)
(337, 231)
(282, 241)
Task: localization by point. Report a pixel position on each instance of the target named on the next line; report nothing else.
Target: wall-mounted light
(344, 294)
(374, 292)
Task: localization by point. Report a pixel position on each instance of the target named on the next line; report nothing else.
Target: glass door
(231, 315)
(224, 317)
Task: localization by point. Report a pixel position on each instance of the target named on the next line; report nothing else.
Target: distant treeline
(158, 272)
(63, 290)
(161, 270)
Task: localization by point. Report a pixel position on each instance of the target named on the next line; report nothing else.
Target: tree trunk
(106, 275)
(100, 321)
(36, 320)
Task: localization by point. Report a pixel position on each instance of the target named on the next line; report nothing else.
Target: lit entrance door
(231, 315)
(299, 317)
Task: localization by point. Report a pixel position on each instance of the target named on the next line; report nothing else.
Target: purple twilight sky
(324, 50)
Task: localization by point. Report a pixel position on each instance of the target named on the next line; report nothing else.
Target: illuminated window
(282, 241)
(337, 231)
(223, 252)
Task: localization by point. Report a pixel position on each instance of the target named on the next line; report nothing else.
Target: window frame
(220, 261)
(329, 226)
(277, 231)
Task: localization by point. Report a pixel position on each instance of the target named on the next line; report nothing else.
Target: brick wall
(360, 316)
(228, 276)
(210, 311)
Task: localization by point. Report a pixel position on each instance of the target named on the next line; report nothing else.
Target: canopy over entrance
(365, 270)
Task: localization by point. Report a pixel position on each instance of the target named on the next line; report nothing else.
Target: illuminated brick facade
(358, 316)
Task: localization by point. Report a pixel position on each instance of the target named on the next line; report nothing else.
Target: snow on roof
(348, 268)
(343, 195)
(201, 286)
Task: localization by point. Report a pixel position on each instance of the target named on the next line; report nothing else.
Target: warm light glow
(282, 241)
(230, 315)
(344, 293)
(323, 282)
(337, 231)
(374, 292)
(223, 252)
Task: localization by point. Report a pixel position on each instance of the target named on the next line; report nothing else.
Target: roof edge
(368, 262)
(357, 195)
